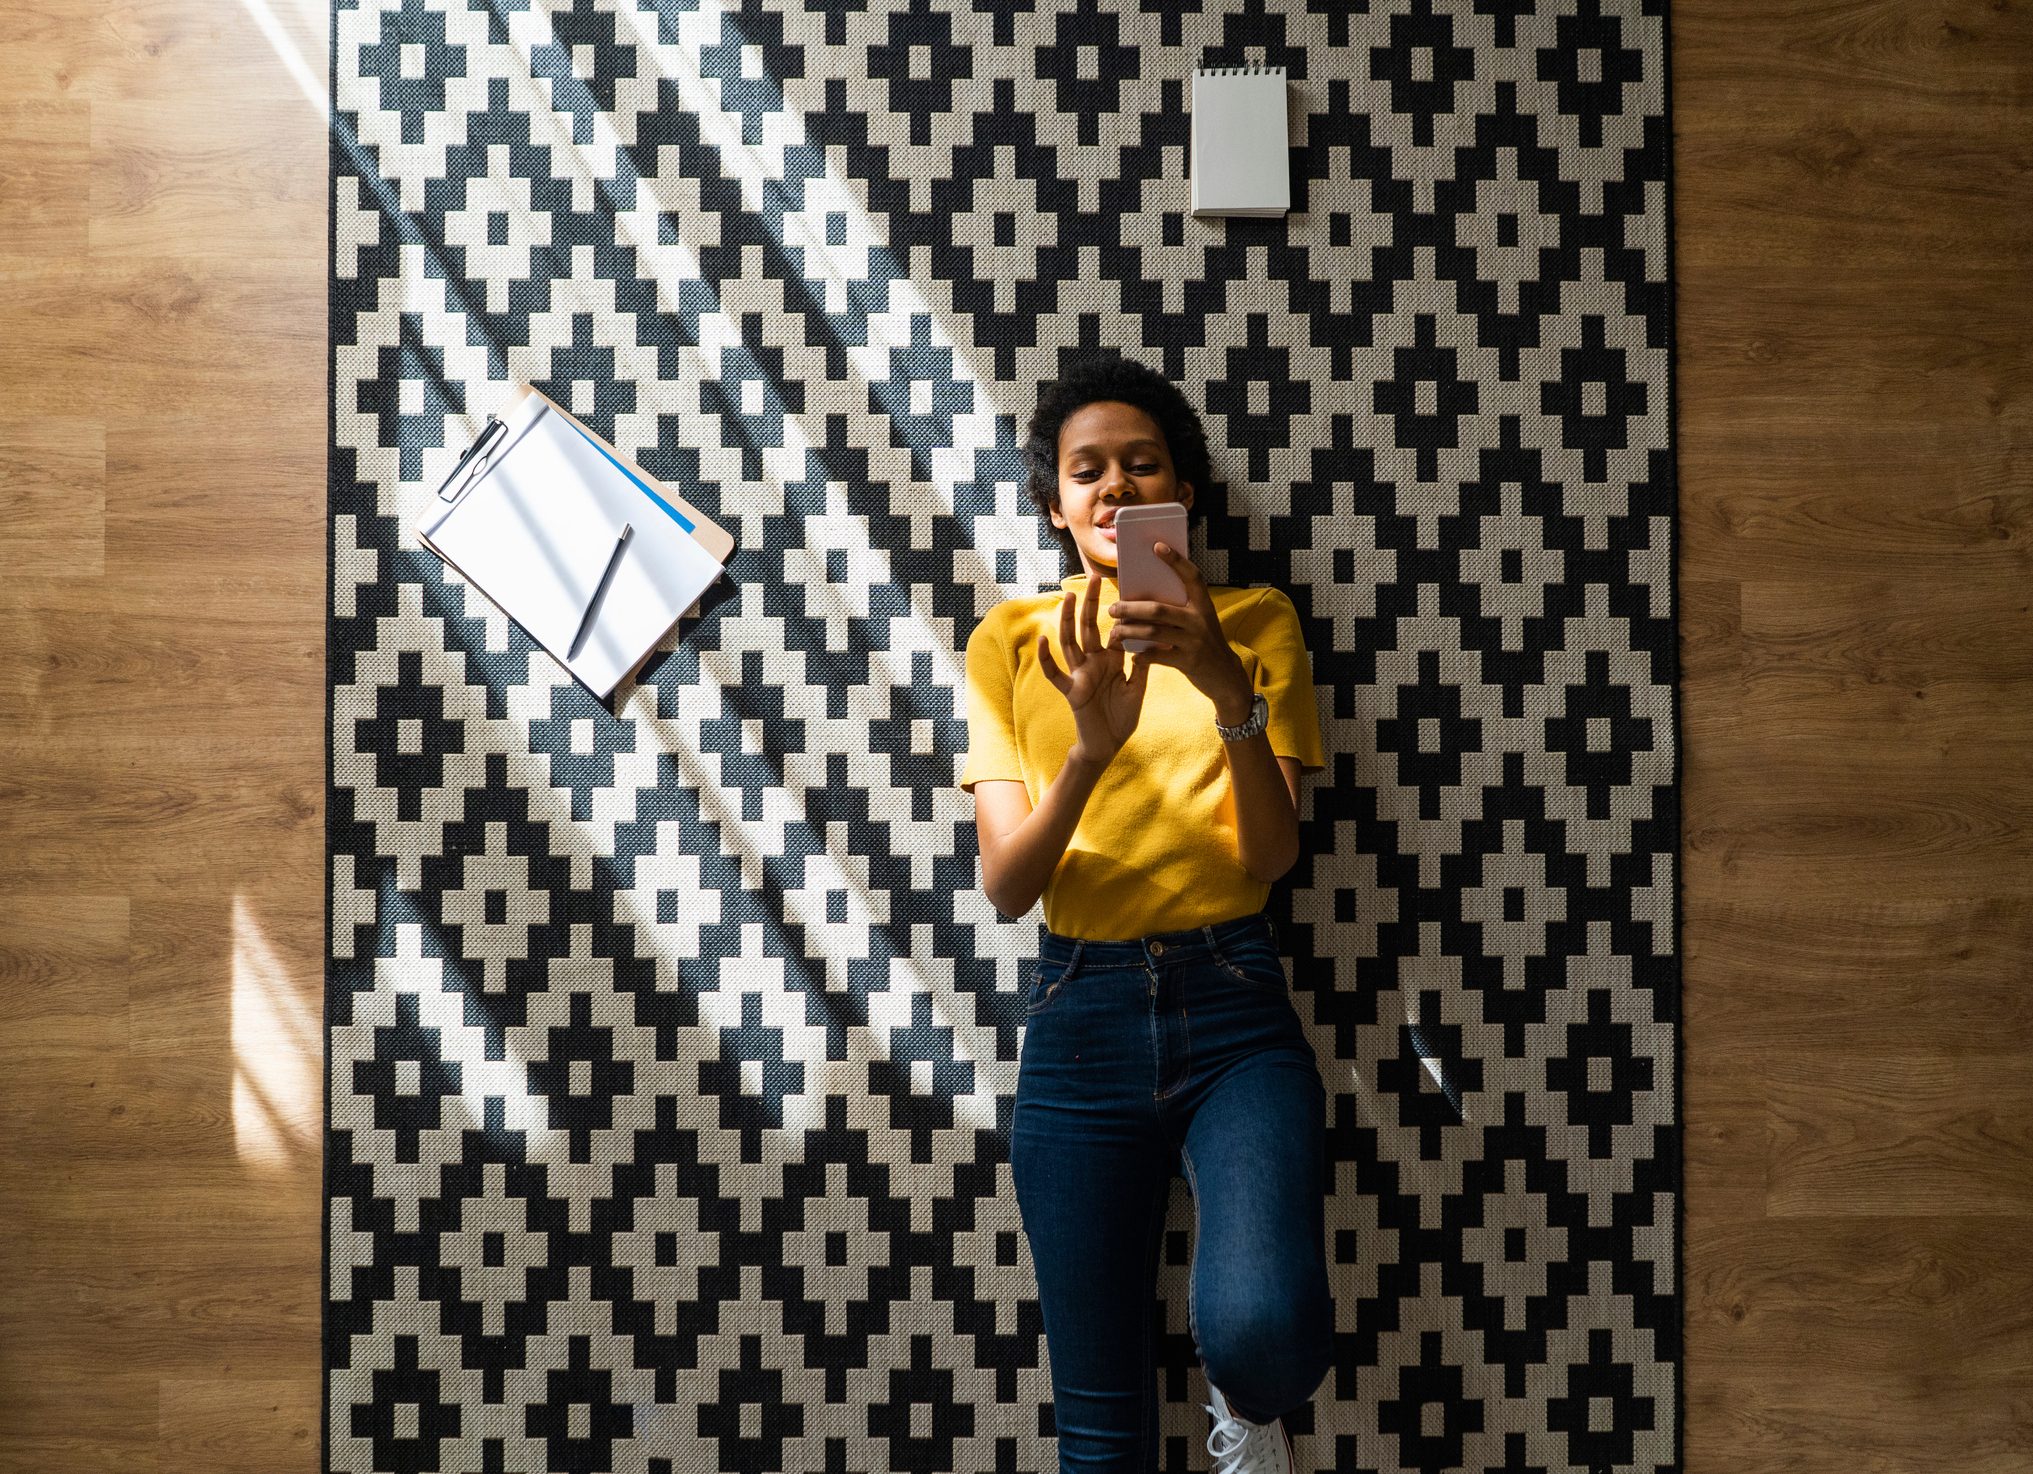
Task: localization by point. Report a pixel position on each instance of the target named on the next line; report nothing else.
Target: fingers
(1181, 564)
(1189, 574)
(1148, 611)
(1090, 616)
(1050, 665)
(1140, 619)
(1066, 640)
(1149, 619)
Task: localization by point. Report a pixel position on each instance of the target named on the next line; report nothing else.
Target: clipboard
(537, 536)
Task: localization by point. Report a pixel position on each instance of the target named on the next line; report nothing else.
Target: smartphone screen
(1139, 572)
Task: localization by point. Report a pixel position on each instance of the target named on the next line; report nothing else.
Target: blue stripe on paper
(676, 515)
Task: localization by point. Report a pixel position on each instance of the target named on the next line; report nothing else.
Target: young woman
(1152, 812)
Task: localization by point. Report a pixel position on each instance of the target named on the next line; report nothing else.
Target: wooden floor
(1855, 394)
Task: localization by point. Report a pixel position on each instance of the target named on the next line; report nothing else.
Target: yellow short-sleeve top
(1155, 847)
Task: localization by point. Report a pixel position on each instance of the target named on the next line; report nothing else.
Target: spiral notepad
(1241, 146)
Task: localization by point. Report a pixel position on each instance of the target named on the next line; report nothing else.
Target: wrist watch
(1259, 718)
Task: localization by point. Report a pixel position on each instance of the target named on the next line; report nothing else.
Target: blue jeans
(1182, 1047)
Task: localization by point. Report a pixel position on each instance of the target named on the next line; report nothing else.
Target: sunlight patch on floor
(277, 1054)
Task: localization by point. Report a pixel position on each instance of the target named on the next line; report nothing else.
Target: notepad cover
(1241, 163)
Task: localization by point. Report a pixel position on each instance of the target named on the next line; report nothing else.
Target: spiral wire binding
(1254, 69)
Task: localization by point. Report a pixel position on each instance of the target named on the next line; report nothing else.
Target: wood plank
(236, 1425)
(181, 54)
(248, 964)
(1794, 352)
(170, 504)
(43, 1433)
(52, 498)
(229, 181)
(113, 1216)
(1823, 1415)
(45, 172)
(1827, 821)
(1842, 138)
(181, 1317)
(201, 678)
(1885, 1131)
(156, 336)
(1859, 632)
(1912, 505)
(1776, 1291)
(63, 974)
(100, 820)
(1825, 969)
(1726, 1143)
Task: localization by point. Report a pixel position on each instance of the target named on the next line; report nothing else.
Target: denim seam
(1186, 1054)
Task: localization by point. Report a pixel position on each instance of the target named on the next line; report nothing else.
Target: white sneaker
(1242, 1447)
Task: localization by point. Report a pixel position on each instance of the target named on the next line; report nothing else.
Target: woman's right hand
(1105, 705)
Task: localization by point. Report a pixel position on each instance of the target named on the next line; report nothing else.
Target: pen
(586, 619)
(496, 428)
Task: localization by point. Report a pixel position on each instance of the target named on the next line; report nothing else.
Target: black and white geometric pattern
(671, 1040)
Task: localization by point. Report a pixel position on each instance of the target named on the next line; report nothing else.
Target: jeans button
(1157, 949)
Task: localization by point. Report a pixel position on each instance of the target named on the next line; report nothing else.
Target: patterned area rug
(671, 1041)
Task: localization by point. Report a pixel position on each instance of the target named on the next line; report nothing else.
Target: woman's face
(1111, 455)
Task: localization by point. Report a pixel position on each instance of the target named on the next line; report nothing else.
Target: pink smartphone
(1139, 572)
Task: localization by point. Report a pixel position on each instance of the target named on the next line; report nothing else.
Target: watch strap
(1259, 719)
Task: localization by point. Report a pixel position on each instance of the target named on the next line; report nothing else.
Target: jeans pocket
(1254, 962)
(1048, 979)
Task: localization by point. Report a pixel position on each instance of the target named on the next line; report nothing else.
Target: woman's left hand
(1189, 635)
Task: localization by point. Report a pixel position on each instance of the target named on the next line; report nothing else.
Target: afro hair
(1110, 376)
